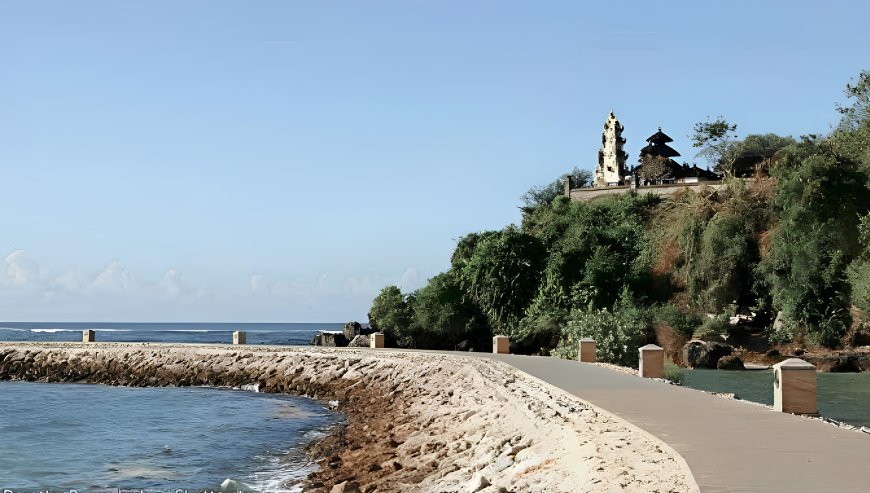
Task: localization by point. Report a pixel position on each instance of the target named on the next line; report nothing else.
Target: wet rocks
(703, 354)
(730, 363)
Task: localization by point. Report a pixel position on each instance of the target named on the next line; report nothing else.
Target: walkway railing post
(501, 345)
(240, 337)
(586, 352)
(376, 340)
(652, 362)
(794, 387)
(89, 335)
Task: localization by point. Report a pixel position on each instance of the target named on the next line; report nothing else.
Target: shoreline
(414, 421)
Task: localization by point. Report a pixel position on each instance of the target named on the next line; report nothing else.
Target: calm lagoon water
(62, 436)
(840, 396)
(203, 333)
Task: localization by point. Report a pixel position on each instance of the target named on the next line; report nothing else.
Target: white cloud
(21, 268)
(115, 278)
(172, 282)
(259, 284)
(410, 280)
(365, 284)
(73, 281)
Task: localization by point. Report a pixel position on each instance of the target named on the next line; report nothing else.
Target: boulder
(359, 341)
(730, 363)
(346, 487)
(351, 330)
(702, 354)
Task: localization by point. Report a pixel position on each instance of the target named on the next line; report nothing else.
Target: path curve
(729, 445)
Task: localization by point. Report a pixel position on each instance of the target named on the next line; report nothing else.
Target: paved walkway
(730, 446)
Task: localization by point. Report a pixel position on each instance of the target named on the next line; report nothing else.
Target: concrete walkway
(730, 446)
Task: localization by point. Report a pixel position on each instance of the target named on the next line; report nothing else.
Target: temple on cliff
(656, 168)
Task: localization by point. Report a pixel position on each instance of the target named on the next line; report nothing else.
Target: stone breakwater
(415, 421)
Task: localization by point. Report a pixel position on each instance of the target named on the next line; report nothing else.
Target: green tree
(820, 198)
(859, 271)
(714, 139)
(544, 195)
(391, 314)
(502, 276)
(443, 316)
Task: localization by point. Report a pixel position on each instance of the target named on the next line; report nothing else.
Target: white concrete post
(89, 335)
(586, 352)
(652, 362)
(794, 387)
(501, 345)
(240, 337)
(376, 340)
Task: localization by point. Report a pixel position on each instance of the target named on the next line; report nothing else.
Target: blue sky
(283, 161)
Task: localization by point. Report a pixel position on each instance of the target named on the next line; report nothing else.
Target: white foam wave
(51, 331)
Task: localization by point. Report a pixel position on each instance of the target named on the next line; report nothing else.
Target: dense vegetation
(789, 235)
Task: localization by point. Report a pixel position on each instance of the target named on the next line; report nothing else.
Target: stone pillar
(652, 362)
(501, 345)
(89, 335)
(376, 340)
(566, 185)
(794, 387)
(586, 354)
(240, 337)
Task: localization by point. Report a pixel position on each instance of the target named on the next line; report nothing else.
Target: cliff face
(415, 421)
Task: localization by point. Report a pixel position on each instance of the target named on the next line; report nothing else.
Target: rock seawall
(415, 421)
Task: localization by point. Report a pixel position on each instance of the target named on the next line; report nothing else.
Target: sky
(282, 161)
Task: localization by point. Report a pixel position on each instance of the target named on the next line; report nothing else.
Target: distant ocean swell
(202, 333)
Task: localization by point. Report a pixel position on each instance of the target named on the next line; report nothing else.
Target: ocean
(62, 437)
(204, 333)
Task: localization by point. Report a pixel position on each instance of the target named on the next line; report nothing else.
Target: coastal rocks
(477, 483)
(346, 487)
(359, 341)
(840, 363)
(329, 339)
(730, 363)
(702, 354)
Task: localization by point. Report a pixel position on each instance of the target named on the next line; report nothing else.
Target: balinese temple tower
(657, 145)
(611, 158)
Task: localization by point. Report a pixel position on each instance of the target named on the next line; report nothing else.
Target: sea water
(839, 396)
(203, 333)
(59, 437)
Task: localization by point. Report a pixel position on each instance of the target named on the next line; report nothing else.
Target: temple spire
(611, 158)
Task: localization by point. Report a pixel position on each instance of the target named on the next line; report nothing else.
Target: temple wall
(587, 194)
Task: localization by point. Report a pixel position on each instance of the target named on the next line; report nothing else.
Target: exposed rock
(329, 339)
(346, 487)
(836, 363)
(798, 351)
(351, 330)
(772, 353)
(359, 341)
(730, 363)
(701, 354)
(477, 483)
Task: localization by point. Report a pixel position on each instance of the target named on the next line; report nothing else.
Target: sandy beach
(415, 421)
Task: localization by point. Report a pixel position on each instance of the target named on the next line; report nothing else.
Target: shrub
(618, 334)
(674, 373)
(712, 327)
(682, 323)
